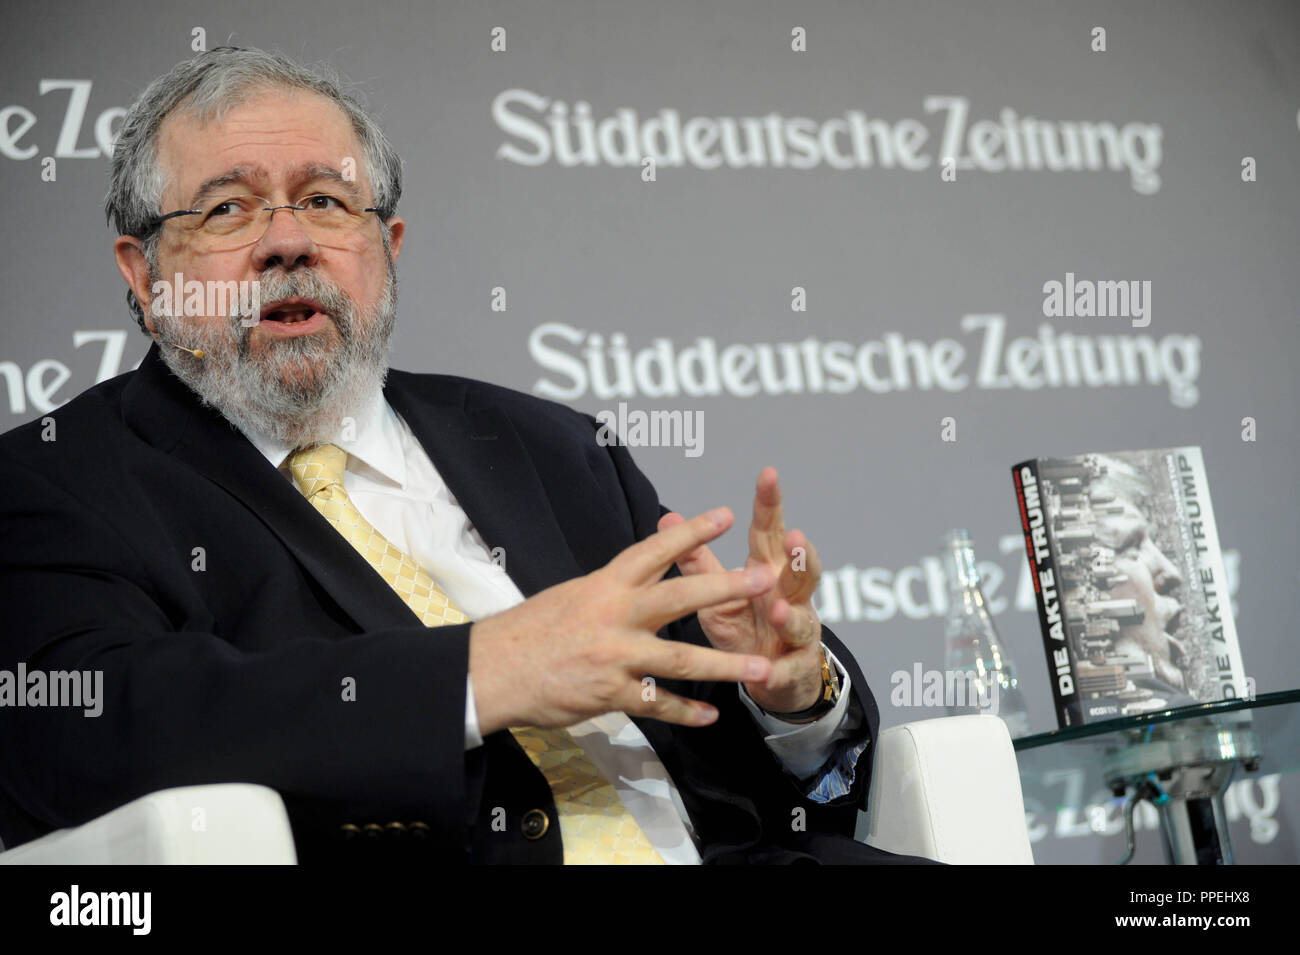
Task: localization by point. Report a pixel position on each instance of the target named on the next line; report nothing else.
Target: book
(1129, 581)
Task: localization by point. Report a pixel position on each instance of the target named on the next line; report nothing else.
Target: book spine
(1192, 491)
(1061, 665)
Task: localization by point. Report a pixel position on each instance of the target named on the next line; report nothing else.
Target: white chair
(227, 824)
(946, 789)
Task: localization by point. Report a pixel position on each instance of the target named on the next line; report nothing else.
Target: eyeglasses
(237, 221)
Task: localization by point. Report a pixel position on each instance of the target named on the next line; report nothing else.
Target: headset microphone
(196, 352)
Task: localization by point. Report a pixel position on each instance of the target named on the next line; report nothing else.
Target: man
(237, 534)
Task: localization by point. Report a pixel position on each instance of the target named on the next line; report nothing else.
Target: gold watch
(830, 695)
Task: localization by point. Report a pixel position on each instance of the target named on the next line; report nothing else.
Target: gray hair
(209, 85)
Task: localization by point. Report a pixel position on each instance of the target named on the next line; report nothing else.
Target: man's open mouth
(291, 310)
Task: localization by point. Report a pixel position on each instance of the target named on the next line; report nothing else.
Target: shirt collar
(374, 440)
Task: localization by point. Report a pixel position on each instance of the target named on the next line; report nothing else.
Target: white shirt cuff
(803, 748)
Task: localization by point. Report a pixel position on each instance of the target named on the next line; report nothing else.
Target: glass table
(1181, 760)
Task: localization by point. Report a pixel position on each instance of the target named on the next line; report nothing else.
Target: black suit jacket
(150, 540)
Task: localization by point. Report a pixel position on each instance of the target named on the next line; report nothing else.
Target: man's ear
(396, 229)
(129, 252)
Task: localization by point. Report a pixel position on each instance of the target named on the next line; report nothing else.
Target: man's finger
(797, 624)
(686, 661)
(802, 569)
(660, 704)
(670, 600)
(804, 626)
(767, 527)
(648, 560)
(785, 672)
(699, 561)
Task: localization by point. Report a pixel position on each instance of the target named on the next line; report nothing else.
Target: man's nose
(284, 243)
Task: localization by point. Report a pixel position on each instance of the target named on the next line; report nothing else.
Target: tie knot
(318, 467)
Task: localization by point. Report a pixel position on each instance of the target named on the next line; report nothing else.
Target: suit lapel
(169, 415)
(479, 455)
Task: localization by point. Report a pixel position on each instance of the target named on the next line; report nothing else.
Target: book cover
(1129, 582)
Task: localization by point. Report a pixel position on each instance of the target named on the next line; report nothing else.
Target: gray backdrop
(883, 248)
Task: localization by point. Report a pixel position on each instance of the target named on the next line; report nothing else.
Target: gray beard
(326, 387)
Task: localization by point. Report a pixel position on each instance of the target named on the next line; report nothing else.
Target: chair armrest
(231, 823)
(948, 789)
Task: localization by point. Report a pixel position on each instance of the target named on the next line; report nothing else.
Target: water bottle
(979, 674)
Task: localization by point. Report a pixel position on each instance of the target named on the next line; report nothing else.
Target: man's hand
(581, 648)
(778, 623)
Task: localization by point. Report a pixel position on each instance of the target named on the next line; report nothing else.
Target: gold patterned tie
(595, 826)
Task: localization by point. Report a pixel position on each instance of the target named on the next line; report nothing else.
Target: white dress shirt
(396, 487)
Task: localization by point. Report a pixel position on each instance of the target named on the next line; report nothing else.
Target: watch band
(830, 695)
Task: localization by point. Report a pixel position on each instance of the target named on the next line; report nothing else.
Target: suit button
(535, 824)
(419, 830)
(395, 829)
(349, 830)
(373, 829)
